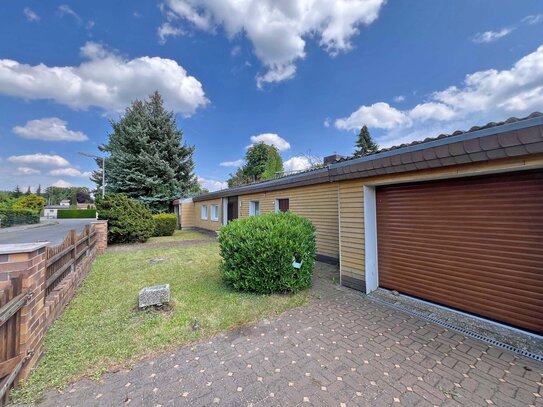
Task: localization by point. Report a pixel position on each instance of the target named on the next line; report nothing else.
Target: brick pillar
(100, 226)
(27, 261)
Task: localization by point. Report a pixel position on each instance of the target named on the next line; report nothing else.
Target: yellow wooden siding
(315, 202)
(207, 224)
(351, 195)
(187, 215)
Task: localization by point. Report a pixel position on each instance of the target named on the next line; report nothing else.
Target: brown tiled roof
(442, 136)
(493, 141)
(513, 137)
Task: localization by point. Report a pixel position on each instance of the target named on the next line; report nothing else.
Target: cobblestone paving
(340, 350)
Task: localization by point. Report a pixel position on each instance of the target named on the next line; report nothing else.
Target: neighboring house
(184, 211)
(86, 206)
(456, 220)
(65, 202)
(51, 211)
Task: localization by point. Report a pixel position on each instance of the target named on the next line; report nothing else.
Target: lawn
(102, 327)
(181, 235)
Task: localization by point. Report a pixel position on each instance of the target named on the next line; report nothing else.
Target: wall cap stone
(21, 247)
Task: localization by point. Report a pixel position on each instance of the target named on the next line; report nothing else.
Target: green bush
(10, 217)
(129, 221)
(31, 202)
(76, 214)
(257, 253)
(165, 224)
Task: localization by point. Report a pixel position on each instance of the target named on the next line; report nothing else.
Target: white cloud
(105, 80)
(49, 129)
(69, 172)
(271, 139)
(168, 30)
(296, 163)
(327, 122)
(40, 159)
(62, 184)
(379, 115)
(237, 163)
(31, 15)
(491, 36)
(65, 10)
(26, 171)
(278, 30)
(534, 19)
(211, 184)
(399, 98)
(490, 95)
(235, 51)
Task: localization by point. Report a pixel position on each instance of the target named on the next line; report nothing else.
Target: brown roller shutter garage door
(475, 244)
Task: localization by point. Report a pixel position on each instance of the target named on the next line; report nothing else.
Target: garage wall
(351, 207)
(319, 203)
(207, 224)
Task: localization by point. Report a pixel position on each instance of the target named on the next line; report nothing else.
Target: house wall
(351, 204)
(319, 203)
(207, 224)
(188, 219)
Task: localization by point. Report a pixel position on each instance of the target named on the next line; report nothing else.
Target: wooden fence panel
(12, 299)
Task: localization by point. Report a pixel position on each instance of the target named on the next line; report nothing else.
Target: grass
(180, 236)
(102, 327)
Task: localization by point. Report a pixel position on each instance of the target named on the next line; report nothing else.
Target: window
(204, 212)
(214, 212)
(281, 205)
(254, 208)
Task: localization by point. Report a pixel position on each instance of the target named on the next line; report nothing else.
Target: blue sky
(304, 75)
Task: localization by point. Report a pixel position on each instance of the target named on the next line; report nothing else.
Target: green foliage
(10, 217)
(262, 162)
(147, 159)
(31, 201)
(364, 143)
(17, 192)
(76, 214)
(129, 221)
(165, 224)
(257, 253)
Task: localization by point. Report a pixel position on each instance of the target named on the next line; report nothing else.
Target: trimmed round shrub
(129, 221)
(165, 224)
(258, 253)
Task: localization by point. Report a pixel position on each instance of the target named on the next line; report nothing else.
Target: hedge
(76, 214)
(165, 224)
(259, 252)
(10, 217)
(129, 221)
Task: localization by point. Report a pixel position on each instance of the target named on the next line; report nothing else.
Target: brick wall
(28, 262)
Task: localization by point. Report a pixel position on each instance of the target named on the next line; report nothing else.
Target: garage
(474, 244)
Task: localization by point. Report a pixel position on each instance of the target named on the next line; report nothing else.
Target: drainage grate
(463, 331)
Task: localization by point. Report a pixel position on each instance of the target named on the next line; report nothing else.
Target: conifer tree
(147, 159)
(17, 192)
(365, 144)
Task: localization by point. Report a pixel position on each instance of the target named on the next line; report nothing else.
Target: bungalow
(456, 220)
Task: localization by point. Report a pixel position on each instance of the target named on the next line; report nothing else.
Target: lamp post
(103, 169)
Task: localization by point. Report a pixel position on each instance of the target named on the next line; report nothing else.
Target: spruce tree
(364, 143)
(147, 159)
(38, 191)
(17, 192)
(28, 191)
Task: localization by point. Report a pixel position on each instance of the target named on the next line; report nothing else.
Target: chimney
(330, 159)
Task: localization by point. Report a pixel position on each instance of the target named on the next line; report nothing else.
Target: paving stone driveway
(340, 350)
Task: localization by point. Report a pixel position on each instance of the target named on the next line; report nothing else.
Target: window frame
(204, 213)
(253, 211)
(214, 208)
(277, 209)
